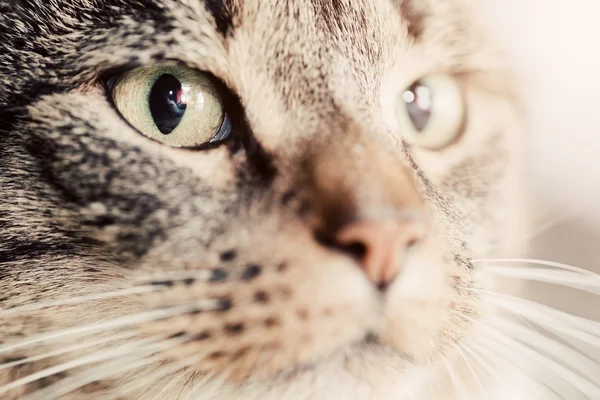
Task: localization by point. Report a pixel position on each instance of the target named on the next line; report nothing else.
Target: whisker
(85, 360)
(586, 283)
(78, 300)
(457, 383)
(469, 365)
(532, 234)
(587, 331)
(156, 376)
(118, 367)
(479, 359)
(517, 360)
(566, 334)
(67, 350)
(538, 342)
(559, 371)
(535, 262)
(126, 320)
(169, 278)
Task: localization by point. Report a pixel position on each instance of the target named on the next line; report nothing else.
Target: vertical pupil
(419, 100)
(167, 103)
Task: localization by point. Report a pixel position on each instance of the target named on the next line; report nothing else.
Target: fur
(90, 206)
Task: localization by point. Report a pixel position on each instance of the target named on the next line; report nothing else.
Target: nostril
(356, 250)
(379, 246)
(324, 239)
(382, 286)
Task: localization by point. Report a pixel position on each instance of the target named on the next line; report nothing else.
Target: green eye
(177, 106)
(431, 112)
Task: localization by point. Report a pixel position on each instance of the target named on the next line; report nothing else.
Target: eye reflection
(418, 100)
(168, 103)
(431, 112)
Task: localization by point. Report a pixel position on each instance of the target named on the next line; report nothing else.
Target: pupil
(418, 100)
(167, 104)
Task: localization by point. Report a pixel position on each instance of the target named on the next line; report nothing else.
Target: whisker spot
(166, 283)
(225, 305)
(235, 328)
(261, 297)
(228, 255)
(176, 335)
(218, 275)
(251, 272)
(201, 336)
(271, 322)
(216, 355)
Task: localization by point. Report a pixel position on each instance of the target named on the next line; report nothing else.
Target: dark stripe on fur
(414, 17)
(222, 14)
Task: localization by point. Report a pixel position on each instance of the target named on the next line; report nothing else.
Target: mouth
(370, 343)
(371, 339)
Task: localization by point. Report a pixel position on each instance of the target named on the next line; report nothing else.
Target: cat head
(263, 191)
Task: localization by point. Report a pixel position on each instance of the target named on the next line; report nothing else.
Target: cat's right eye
(431, 112)
(177, 106)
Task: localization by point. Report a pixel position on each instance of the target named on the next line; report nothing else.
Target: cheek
(125, 189)
(304, 303)
(424, 303)
(89, 119)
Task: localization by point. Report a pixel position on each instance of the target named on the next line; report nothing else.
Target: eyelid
(110, 76)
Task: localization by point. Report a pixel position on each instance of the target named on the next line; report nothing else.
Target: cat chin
(366, 370)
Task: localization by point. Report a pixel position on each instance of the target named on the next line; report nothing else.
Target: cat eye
(177, 106)
(431, 112)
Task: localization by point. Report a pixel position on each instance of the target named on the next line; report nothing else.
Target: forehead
(302, 33)
(292, 57)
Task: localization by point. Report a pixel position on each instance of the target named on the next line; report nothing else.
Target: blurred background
(554, 46)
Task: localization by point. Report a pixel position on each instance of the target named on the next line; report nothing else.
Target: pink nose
(383, 246)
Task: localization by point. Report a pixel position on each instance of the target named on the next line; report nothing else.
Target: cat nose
(380, 246)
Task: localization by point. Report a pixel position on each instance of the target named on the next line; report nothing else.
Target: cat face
(323, 237)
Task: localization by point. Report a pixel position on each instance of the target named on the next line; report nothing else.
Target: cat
(266, 199)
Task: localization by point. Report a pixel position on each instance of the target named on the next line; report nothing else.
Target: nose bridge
(364, 203)
(360, 179)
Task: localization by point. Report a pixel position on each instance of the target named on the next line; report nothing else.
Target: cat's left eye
(177, 106)
(431, 112)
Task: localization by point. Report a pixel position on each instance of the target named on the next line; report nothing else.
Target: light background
(555, 47)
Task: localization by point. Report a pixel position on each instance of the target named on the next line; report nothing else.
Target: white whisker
(104, 371)
(582, 329)
(457, 383)
(587, 283)
(535, 262)
(469, 365)
(518, 361)
(126, 320)
(196, 275)
(85, 360)
(484, 363)
(120, 366)
(168, 276)
(544, 363)
(67, 350)
(162, 372)
(547, 225)
(78, 300)
(538, 342)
